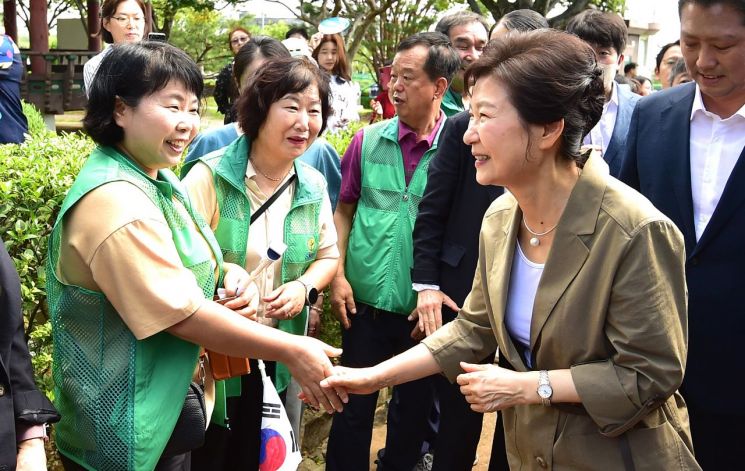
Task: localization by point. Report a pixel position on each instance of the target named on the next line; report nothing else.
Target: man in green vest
(468, 33)
(384, 172)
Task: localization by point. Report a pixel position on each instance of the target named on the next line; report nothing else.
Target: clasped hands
(487, 388)
(285, 302)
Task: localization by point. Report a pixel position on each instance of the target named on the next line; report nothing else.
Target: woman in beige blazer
(580, 282)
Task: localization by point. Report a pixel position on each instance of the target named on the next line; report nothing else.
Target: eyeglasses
(125, 20)
(239, 40)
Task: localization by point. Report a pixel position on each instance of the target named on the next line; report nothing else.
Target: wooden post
(94, 23)
(39, 34)
(9, 19)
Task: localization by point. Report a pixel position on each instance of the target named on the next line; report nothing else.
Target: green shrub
(340, 140)
(35, 120)
(36, 177)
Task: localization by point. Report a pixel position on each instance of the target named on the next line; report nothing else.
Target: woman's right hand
(309, 365)
(354, 380)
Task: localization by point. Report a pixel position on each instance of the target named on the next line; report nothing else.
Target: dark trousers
(717, 439)
(458, 425)
(172, 463)
(238, 447)
(498, 458)
(375, 336)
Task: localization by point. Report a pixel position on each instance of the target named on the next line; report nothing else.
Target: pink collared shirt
(411, 149)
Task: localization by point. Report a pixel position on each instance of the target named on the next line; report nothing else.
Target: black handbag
(188, 434)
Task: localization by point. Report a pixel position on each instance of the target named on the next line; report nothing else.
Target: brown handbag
(224, 366)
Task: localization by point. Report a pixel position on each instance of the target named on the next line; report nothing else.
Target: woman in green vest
(132, 271)
(281, 111)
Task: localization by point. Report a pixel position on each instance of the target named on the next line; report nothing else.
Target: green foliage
(36, 125)
(340, 140)
(36, 177)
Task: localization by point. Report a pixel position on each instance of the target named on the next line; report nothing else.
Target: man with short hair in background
(384, 173)
(685, 153)
(607, 34)
(468, 34)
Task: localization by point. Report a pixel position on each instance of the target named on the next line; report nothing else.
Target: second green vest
(301, 232)
(380, 251)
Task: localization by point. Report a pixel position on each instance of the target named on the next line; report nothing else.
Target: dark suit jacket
(446, 233)
(617, 147)
(658, 164)
(20, 400)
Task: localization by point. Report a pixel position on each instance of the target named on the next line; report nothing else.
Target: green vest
(452, 103)
(120, 397)
(301, 233)
(380, 252)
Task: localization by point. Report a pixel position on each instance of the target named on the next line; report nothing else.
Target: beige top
(116, 241)
(269, 227)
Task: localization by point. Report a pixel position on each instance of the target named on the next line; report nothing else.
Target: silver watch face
(545, 391)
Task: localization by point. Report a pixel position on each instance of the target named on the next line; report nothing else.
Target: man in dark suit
(446, 238)
(607, 34)
(24, 410)
(685, 153)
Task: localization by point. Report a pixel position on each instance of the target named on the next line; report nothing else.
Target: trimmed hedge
(35, 178)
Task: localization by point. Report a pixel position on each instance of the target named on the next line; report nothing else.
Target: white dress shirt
(716, 144)
(602, 133)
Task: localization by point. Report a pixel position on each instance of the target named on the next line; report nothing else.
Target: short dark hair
(448, 22)
(628, 67)
(736, 4)
(274, 80)
(521, 20)
(442, 59)
(600, 29)
(157, 63)
(677, 69)
(661, 54)
(108, 8)
(297, 30)
(642, 79)
(549, 75)
(264, 45)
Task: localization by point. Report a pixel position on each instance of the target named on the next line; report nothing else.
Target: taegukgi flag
(279, 449)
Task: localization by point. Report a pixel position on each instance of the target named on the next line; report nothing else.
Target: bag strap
(272, 198)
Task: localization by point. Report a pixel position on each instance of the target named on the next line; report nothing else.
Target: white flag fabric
(279, 448)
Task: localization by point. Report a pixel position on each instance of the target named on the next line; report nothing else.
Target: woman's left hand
(285, 302)
(236, 280)
(489, 388)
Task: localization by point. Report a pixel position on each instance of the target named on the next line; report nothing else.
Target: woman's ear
(121, 112)
(105, 24)
(550, 134)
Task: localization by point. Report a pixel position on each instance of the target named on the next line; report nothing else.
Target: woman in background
(281, 112)
(122, 21)
(226, 91)
(345, 94)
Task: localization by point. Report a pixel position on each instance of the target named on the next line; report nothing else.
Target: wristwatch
(311, 293)
(544, 388)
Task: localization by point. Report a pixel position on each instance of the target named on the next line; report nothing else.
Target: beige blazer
(611, 306)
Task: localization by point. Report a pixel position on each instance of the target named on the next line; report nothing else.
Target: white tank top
(524, 279)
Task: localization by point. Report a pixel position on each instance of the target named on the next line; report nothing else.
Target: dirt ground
(484, 449)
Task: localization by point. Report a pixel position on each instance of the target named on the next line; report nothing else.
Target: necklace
(534, 240)
(265, 175)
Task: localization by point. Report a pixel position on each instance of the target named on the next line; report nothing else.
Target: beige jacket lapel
(569, 250)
